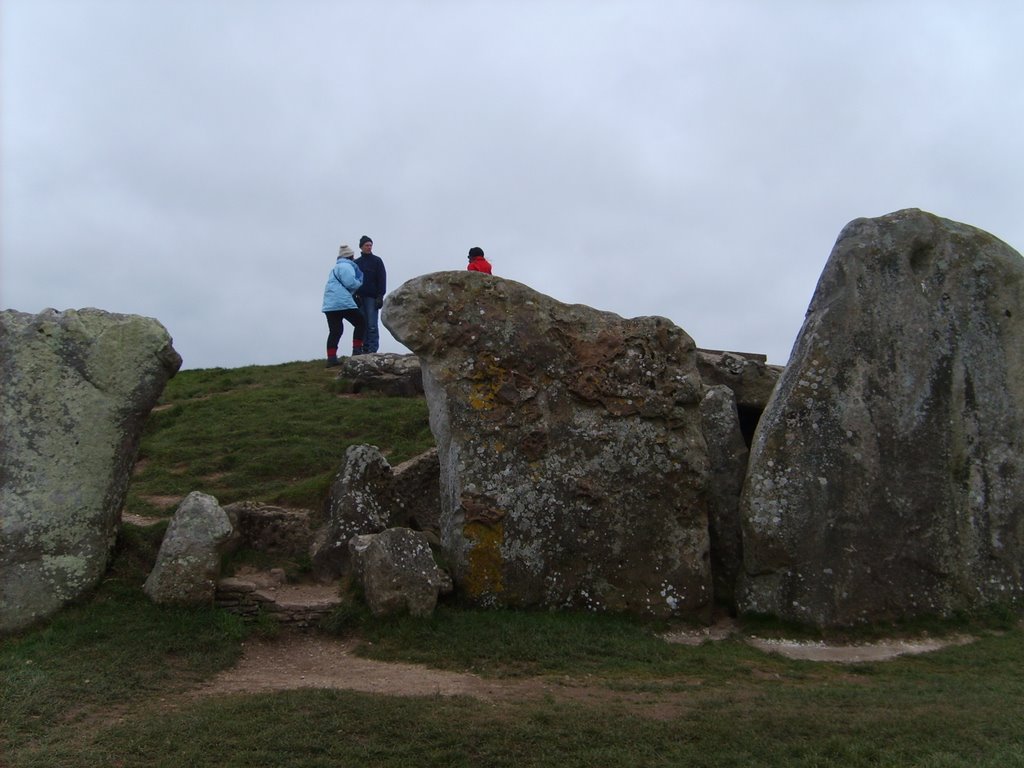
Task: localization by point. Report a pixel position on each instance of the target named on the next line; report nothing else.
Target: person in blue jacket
(371, 293)
(340, 304)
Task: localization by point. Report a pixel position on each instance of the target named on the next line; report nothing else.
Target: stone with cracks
(75, 389)
(886, 479)
(274, 530)
(384, 372)
(397, 572)
(415, 497)
(356, 504)
(728, 455)
(573, 467)
(188, 564)
(367, 496)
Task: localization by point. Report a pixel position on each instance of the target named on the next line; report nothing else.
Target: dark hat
(364, 240)
(475, 251)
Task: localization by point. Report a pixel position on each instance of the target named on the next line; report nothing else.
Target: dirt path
(317, 661)
(297, 660)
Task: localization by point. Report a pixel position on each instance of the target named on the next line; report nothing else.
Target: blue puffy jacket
(343, 281)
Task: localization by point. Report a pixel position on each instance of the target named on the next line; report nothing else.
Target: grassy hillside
(274, 434)
(105, 683)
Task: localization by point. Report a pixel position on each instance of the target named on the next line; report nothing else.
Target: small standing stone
(188, 564)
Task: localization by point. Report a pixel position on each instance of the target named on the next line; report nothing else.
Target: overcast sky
(200, 161)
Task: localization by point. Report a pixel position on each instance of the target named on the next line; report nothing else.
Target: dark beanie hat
(364, 240)
(475, 251)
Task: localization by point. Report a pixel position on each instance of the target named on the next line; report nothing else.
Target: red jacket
(479, 264)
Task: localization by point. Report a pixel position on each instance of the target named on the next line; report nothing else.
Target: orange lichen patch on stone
(486, 381)
(483, 577)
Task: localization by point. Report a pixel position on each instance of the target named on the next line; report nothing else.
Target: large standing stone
(573, 468)
(886, 478)
(75, 390)
(188, 564)
(728, 455)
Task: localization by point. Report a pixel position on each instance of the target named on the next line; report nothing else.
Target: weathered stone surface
(270, 529)
(573, 468)
(415, 497)
(728, 454)
(188, 564)
(75, 390)
(397, 572)
(296, 606)
(357, 503)
(886, 478)
(367, 496)
(384, 372)
(749, 376)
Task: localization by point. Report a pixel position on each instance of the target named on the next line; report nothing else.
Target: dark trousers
(368, 305)
(335, 327)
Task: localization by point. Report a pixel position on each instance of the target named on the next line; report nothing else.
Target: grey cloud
(691, 160)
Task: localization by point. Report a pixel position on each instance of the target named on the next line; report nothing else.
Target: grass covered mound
(273, 434)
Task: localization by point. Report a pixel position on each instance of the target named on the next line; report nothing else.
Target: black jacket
(375, 277)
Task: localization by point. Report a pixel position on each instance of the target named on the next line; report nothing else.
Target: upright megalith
(357, 503)
(75, 390)
(573, 466)
(188, 564)
(728, 455)
(886, 478)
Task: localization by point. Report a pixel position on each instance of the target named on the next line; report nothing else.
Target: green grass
(348, 729)
(103, 683)
(114, 651)
(721, 704)
(274, 434)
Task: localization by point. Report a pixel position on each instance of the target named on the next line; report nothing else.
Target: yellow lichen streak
(483, 578)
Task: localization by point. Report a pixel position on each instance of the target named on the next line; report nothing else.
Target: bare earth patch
(854, 654)
(815, 650)
(140, 520)
(312, 660)
(298, 660)
(317, 661)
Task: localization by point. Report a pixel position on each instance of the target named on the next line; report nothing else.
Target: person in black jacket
(371, 293)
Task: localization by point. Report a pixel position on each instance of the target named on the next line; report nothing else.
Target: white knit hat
(346, 252)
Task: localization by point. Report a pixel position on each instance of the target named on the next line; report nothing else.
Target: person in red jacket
(477, 261)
